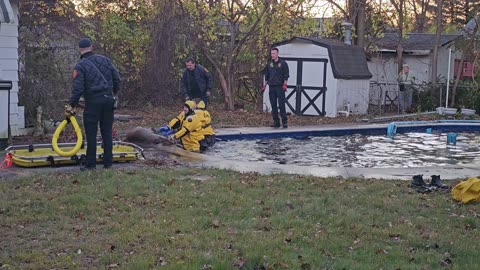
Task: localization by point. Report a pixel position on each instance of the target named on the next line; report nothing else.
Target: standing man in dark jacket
(97, 80)
(196, 81)
(276, 76)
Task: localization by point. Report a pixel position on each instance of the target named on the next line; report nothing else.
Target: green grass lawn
(216, 219)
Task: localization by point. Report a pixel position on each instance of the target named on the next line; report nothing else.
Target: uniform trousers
(98, 110)
(277, 96)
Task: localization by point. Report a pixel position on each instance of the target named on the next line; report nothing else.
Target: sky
(322, 8)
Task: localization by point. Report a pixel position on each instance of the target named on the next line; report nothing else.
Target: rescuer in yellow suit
(206, 120)
(173, 126)
(190, 133)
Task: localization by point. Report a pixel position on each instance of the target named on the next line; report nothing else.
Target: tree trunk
(400, 56)
(230, 103)
(437, 43)
(457, 80)
(400, 8)
(361, 24)
(223, 84)
(227, 90)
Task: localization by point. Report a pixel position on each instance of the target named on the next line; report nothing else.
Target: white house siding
(383, 68)
(420, 67)
(9, 68)
(354, 94)
(297, 49)
(442, 69)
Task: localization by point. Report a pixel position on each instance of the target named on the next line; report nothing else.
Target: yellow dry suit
(190, 132)
(176, 123)
(206, 120)
(467, 191)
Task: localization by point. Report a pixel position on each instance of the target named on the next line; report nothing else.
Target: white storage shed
(326, 77)
(9, 66)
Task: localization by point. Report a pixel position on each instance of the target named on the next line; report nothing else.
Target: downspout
(348, 41)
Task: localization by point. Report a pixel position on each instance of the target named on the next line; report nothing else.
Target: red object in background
(7, 162)
(468, 69)
(114, 132)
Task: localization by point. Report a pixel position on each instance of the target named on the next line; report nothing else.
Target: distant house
(326, 77)
(9, 62)
(417, 53)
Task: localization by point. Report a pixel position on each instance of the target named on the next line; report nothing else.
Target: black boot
(436, 182)
(418, 181)
(419, 185)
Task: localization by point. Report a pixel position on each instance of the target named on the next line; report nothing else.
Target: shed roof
(348, 61)
(6, 12)
(413, 41)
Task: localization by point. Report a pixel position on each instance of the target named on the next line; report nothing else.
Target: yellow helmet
(201, 105)
(190, 104)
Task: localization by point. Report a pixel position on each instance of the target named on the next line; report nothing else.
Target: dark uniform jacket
(276, 73)
(203, 78)
(87, 81)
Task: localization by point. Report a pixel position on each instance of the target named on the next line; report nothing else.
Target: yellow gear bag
(467, 191)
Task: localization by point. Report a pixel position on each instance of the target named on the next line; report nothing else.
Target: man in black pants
(97, 80)
(276, 76)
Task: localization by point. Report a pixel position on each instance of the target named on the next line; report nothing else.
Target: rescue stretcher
(39, 155)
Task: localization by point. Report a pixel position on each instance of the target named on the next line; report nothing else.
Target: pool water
(360, 151)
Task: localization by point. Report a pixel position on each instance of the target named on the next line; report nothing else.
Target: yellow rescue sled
(38, 155)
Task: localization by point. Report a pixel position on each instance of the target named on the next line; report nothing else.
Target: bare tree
(360, 27)
(437, 43)
(400, 9)
(159, 84)
(420, 9)
(469, 48)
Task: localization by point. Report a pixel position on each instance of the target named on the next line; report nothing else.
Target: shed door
(307, 86)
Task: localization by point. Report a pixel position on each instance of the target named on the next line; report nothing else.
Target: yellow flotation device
(78, 132)
(467, 191)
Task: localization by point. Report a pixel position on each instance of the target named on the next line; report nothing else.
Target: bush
(468, 95)
(427, 98)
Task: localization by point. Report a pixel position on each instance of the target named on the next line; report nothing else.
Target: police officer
(196, 81)
(97, 80)
(276, 76)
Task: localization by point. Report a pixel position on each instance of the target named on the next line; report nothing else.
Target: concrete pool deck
(204, 160)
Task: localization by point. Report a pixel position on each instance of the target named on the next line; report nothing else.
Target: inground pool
(366, 150)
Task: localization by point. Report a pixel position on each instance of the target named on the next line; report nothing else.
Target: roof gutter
(6, 12)
(410, 52)
(418, 52)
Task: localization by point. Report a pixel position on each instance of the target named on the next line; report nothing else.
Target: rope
(56, 135)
